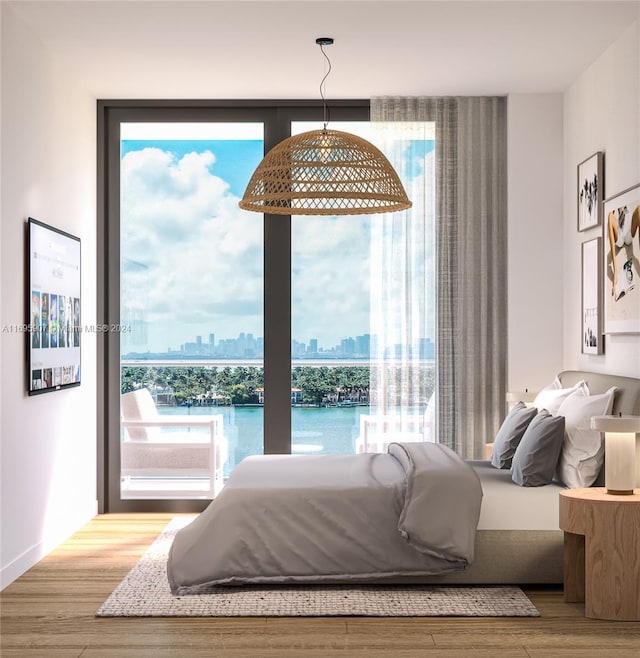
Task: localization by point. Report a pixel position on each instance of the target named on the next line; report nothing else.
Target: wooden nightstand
(602, 552)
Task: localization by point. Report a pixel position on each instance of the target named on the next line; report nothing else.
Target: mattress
(518, 541)
(508, 506)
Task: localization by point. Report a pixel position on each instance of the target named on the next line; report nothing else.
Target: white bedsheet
(507, 506)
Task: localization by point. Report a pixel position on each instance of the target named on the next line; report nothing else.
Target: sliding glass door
(331, 324)
(191, 306)
(199, 374)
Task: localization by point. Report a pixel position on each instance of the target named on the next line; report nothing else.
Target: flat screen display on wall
(54, 307)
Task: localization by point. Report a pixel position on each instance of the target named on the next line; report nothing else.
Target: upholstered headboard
(627, 399)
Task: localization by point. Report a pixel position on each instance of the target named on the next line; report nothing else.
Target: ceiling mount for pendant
(324, 172)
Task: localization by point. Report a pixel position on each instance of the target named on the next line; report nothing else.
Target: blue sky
(192, 259)
(235, 159)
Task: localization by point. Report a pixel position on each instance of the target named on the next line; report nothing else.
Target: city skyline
(247, 346)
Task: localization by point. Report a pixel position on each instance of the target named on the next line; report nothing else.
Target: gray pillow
(510, 434)
(537, 454)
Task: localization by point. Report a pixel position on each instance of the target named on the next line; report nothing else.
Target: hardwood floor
(50, 610)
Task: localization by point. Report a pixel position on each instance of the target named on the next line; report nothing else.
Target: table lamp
(620, 473)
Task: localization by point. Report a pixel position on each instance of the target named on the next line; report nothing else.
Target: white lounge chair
(146, 451)
(377, 431)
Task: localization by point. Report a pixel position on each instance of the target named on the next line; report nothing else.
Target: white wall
(548, 136)
(48, 444)
(601, 113)
(535, 240)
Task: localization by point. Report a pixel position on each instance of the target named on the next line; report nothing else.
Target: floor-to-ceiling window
(331, 328)
(237, 333)
(201, 292)
(191, 301)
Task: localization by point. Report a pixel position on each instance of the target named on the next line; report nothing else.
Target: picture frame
(621, 262)
(592, 335)
(54, 357)
(590, 191)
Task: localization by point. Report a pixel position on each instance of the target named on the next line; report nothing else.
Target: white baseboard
(30, 557)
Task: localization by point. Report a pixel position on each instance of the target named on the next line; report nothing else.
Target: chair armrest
(216, 418)
(166, 445)
(389, 424)
(171, 421)
(392, 419)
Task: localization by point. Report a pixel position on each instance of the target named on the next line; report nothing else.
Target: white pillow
(552, 396)
(582, 451)
(556, 383)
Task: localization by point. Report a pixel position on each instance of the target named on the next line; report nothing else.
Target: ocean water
(315, 430)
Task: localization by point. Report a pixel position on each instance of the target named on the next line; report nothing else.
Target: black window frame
(277, 116)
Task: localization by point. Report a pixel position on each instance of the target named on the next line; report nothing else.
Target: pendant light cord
(325, 110)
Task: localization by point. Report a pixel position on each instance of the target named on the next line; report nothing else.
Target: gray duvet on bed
(333, 518)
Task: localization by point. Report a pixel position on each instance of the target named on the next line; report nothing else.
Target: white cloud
(330, 280)
(196, 256)
(193, 259)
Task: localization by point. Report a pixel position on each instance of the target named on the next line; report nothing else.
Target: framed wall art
(622, 262)
(590, 191)
(54, 303)
(592, 339)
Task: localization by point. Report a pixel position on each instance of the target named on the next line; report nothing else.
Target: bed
(515, 536)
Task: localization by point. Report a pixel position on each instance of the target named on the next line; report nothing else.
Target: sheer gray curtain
(403, 287)
(470, 270)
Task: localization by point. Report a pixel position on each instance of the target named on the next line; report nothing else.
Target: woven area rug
(145, 592)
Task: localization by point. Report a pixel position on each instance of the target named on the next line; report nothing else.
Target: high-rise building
(363, 345)
(348, 346)
(297, 348)
(427, 349)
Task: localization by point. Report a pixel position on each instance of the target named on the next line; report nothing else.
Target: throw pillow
(510, 434)
(536, 458)
(582, 453)
(551, 397)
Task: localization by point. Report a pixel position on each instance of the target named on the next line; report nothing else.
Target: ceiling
(264, 49)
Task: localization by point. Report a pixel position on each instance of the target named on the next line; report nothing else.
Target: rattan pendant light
(324, 172)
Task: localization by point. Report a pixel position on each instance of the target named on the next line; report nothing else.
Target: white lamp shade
(620, 474)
